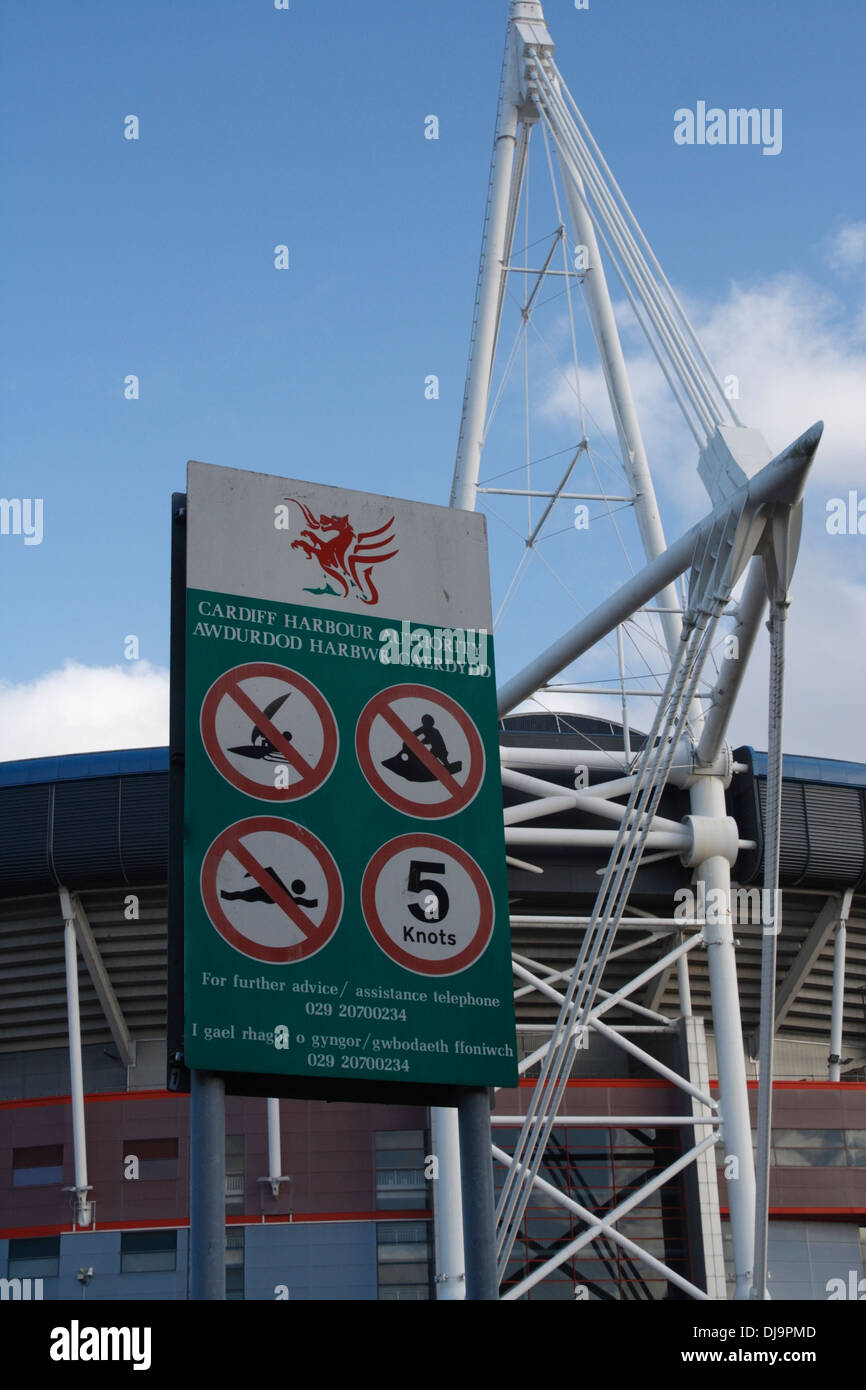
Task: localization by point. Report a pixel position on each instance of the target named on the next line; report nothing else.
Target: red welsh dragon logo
(346, 557)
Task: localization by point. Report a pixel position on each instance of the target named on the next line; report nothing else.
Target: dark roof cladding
(89, 820)
(72, 766)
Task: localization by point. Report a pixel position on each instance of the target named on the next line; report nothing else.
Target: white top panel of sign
(281, 539)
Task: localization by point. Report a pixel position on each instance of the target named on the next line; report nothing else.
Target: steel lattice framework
(751, 532)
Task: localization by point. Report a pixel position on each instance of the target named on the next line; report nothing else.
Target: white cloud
(799, 359)
(84, 709)
(800, 356)
(826, 639)
(846, 249)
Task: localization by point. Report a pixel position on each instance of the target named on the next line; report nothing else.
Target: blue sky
(306, 127)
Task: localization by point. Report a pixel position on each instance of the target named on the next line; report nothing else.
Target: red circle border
(376, 781)
(469, 955)
(274, 955)
(229, 772)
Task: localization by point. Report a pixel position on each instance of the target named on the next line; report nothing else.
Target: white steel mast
(717, 551)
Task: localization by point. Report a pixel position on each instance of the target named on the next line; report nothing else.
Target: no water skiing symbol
(269, 731)
(427, 904)
(272, 890)
(420, 751)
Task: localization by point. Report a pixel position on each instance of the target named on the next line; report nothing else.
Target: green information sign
(345, 903)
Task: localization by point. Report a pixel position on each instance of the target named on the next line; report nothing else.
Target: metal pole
(207, 1187)
(727, 687)
(495, 258)
(447, 1204)
(275, 1156)
(684, 987)
(465, 1144)
(771, 919)
(708, 799)
(479, 1213)
(837, 1022)
(76, 1073)
(622, 403)
(838, 1001)
(626, 740)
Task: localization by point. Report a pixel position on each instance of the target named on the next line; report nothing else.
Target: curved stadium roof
(98, 824)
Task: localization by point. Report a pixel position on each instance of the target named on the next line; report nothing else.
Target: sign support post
(207, 1187)
(476, 1180)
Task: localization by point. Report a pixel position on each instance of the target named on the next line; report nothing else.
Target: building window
(145, 1252)
(813, 1148)
(855, 1143)
(235, 1170)
(157, 1158)
(34, 1257)
(809, 1148)
(400, 1181)
(37, 1167)
(404, 1261)
(235, 1262)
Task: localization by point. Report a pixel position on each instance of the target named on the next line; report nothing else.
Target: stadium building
(342, 1201)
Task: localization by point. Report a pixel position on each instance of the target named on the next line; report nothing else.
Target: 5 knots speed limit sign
(427, 904)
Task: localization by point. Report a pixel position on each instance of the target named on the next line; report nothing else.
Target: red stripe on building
(180, 1224)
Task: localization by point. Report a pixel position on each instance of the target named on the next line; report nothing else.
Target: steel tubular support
(835, 1072)
(708, 798)
(447, 1204)
(608, 1121)
(683, 983)
(772, 847)
(479, 1218)
(652, 1062)
(496, 251)
(83, 1208)
(607, 1227)
(275, 1152)
(207, 1187)
(496, 257)
(727, 687)
(622, 403)
(837, 1021)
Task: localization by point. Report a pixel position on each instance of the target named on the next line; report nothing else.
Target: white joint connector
(711, 837)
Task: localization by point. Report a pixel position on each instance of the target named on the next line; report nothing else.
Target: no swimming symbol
(272, 889)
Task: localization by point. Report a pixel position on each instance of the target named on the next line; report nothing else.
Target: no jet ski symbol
(260, 717)
(420, 751)
(272, 890)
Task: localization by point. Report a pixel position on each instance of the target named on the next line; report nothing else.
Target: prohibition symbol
(272, 890)
(420, 751)
(427, 904)
(269, 732)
